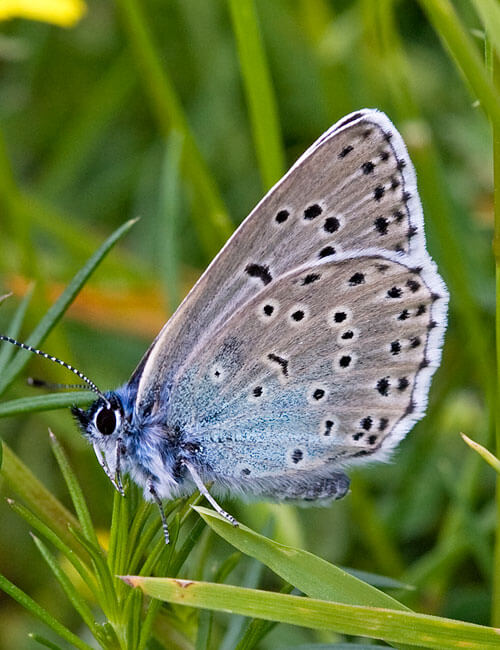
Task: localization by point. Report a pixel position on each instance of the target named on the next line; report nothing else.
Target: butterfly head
(103, 421)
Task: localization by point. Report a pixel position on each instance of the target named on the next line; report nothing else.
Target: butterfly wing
(326, 366)
(351, 190)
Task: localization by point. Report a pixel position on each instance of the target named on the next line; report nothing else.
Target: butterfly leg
(102, 462)
(203, 490)
(157, 500)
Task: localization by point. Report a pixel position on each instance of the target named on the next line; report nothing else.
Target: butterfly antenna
(36, 382)
(88, 382)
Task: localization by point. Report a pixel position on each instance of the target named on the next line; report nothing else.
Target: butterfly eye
(106, 421)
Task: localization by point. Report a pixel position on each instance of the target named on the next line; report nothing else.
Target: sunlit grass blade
(13, 329)
(55, 313)
(46, 402)
(39, 612)
(74, 490)
(69, 589)
(309, 573)
(490, 458)
(259, 91)
(386, 624)
(42, 502)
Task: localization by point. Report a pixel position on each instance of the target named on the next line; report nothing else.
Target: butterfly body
(306, 347)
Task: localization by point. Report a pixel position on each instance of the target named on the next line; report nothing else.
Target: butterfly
(306, 347)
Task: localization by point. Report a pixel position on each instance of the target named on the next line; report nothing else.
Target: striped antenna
(89, 384)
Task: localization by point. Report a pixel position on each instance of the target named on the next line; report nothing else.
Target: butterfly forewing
(353, 190)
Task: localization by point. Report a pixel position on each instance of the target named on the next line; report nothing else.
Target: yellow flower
(64, 13)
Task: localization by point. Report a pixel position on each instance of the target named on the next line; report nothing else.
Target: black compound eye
(105, 421)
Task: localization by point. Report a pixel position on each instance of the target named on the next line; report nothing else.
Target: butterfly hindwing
(327, 365)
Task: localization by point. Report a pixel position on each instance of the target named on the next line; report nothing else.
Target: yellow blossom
(64, 13)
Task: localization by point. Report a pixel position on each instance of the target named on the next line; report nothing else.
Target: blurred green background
(93, 120)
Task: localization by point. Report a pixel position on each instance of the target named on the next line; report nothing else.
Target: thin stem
(495, 125)
(261, 101)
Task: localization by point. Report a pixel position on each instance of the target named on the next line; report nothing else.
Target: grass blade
(42, 614)
(445, 21)
(388, 625)
(46, 507)
(259, 91)
(490, 458)
(74, 490)
(55, 313)
(45, 403)
(489, 11)
(45, 642)
(69, 589)
(257, 628)
(312, 575)
(52, 537)
(102, 574)
(14, 328)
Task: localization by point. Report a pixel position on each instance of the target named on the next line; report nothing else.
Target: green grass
(183, 114)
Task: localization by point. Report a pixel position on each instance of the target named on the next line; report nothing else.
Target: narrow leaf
(386, 624)
(490, 458)
(40, 613)
(53, 537)
(74, 490)
(312, 575)
(45, 403)
(45, 642)
(14, 327)
(69, 589)
(259, 91)
(42, 502)
(443, 17)
(55, 313)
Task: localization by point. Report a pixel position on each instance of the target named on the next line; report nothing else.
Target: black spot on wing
(367, 167)
(326, 251)
(312, 212)
(381, 225)
(283, 363)
(345, 151)
(260, 271)
(357, 278)
(383, 386)
(331, 224)
(310, 278)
